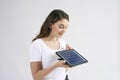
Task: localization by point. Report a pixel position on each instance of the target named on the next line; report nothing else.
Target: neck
(53, 39)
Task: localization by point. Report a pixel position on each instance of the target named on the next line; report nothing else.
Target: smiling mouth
(60, 34)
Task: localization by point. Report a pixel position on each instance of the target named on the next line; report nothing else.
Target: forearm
(39, 73)
(44, 72)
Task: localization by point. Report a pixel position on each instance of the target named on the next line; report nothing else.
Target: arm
(38, 73)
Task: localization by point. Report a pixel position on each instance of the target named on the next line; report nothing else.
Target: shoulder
(36, 43)
(35, 51)
(63, 41)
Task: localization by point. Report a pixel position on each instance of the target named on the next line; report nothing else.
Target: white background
(94, 31)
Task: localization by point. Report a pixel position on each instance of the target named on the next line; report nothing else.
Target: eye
(65, 27)
(61, 26)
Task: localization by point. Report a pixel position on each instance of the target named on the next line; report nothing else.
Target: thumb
(68, 47)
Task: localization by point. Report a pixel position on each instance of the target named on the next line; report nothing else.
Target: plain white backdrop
(94, 31)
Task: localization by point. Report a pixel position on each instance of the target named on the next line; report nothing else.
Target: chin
(59, 36)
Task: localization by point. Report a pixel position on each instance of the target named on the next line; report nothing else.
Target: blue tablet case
(72, 57)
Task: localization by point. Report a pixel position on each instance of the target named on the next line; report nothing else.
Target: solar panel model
(72, 57)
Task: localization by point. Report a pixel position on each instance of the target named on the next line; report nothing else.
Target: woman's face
(59, 28)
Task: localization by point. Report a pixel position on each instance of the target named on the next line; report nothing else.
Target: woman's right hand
(61, 63)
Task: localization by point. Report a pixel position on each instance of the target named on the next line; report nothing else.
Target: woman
(44, 62)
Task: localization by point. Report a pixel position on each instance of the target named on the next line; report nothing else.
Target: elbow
(38, 77)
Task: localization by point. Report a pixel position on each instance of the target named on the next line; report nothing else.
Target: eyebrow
(63, 25)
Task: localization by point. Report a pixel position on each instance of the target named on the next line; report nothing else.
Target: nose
(64, 29)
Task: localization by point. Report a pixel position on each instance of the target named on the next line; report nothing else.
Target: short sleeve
(34, 52)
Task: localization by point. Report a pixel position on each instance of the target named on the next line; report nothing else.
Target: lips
(61, 34)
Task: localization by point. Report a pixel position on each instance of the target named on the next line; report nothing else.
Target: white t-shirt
(39, 51)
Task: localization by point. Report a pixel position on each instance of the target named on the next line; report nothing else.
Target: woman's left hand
(68, 47)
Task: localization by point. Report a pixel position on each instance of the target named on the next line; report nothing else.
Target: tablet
(72, 57)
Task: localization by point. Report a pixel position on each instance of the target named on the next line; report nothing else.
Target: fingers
(68, 47)
(62, 64)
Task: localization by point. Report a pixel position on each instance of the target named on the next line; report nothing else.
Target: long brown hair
(52, 18)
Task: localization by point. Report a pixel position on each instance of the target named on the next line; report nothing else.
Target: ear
(50, 26)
